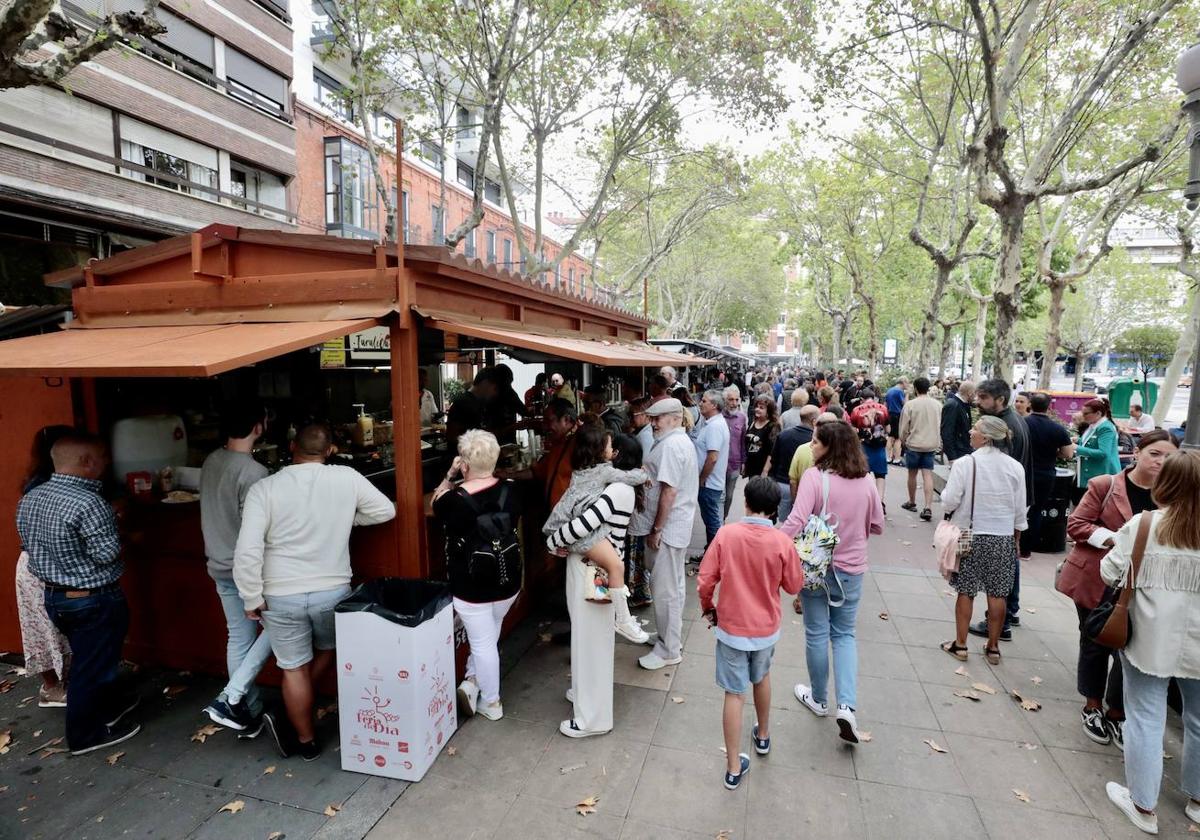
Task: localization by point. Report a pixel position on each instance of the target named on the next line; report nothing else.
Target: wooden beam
(411, 543)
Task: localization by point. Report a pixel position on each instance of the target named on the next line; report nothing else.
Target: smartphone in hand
(711, 617)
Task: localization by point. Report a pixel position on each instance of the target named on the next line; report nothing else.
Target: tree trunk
(944, 354)
(941, 277)
(1183, 353)
(1007, 294)
(1080, 361)
(980, 339)
(838, 327)
(872, 340)
(1053, 332)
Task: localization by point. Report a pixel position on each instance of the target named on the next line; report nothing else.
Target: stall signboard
(371, 345)
(333, 354)
(889, 351)
(396, 700)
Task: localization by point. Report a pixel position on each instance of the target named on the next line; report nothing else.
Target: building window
(279, 8)
(351, 206)
(383, 128)
(466, 175)
(508, 263)
(256, 185)
(181, 174)
(570, 279)
(331, 94)
(432, 153)
(322, 22)
(466, 128)
(491, 191)
(255, 83)
(558, 275)
(438, 223)
(491, 247)
(184, 40)
(523, 261)
(404, 213)
(469, 244)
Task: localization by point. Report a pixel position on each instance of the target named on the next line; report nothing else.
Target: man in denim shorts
(292, 567)
(751, 561)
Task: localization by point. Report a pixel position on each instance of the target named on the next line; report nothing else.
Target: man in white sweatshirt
(292, 566)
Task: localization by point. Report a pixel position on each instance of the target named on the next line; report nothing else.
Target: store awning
(163, 351)
(597, 351)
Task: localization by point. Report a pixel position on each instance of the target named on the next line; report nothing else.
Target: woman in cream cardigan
(1165, 613)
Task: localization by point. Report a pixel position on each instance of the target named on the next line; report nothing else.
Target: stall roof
(597, 351)
(707, 348)
(163, 351)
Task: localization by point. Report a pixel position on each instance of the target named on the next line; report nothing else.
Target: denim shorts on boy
(737, 669)
(298, 624)
(877, 460)
(918, 460)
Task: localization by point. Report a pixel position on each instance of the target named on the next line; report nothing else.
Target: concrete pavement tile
(362, 810)
(878, 659)
(789, 650)
(636, 711)
(696, 674)
(1060, 618)
(695, 724)
(870, 628)
(937, 668)
(260, 819)
(797, 803)
(883, 701)
(801, 740)
(1042, 596)
(222, 761)
(698, 638)
(922, 632)
(607, 766)
(1058, 724)
(627, 671)
(994, 715)
(156, 808)
(1065, 646)
(993, 769)
(898, 755)
(893, 812)
(307, 784)
(530, 818)
(469, 809)
(58, 794)
(908, 582)
(684, 790)
(537, 694)
(931, 606)
(638, 830)
(1089, 773)
(502, 751)
(1018, 819)
(1057, 680)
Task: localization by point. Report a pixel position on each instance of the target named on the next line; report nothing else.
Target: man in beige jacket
(920, 435)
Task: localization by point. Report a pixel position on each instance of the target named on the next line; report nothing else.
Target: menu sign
(373, 344)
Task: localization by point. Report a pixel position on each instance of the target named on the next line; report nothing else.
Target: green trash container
(1121, 393)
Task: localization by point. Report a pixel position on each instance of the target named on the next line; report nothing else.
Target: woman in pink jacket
(855, 508)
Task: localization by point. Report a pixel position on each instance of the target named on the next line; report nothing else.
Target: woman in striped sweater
(600, 516)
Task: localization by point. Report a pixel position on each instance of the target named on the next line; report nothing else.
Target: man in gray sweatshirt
(226, 478)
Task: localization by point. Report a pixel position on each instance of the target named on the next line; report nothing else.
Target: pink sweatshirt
(752, 562)
(856, 512)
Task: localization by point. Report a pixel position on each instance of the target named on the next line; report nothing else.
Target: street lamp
(1187, 76)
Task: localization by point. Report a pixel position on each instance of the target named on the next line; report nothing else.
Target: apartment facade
(193, 127)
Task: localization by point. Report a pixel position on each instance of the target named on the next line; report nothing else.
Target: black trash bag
(405, 601)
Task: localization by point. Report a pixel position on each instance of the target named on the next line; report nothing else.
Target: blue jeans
(711, 512)
(95, 626)
(823, 624)
(1145, 720)
(785, 501)
(246, 651)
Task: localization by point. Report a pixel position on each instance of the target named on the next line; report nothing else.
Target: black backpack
(491, 553)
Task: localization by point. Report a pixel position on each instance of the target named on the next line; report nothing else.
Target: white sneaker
(804, 695)
(572, 730)
(633, 631)
(468, 696)
(1119, 795)
(571, 695)
(653, 662)
(491, 711)
(1192, 809)
(847, 724)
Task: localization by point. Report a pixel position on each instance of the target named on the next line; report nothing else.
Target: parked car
(1185, 381)
(1088, 383)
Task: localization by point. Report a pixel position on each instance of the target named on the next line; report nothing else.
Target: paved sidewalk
(658, 775)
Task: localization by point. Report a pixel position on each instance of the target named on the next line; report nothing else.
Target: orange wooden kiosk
(227, 311)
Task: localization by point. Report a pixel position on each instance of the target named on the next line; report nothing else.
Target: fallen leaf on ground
(269, 770)
(571, 768)
(174, 690)
(49, 751)
(984, 687)
(5, 740)
(864, 736)
(1025, 745)
(1192, 828)
(114, 758)
(587, 806)
(1032, 610)
(1027, 705)
(7, 686)
(676, 699)
(884, 616)
(25, 701)
(905, 542)
(1036, 680)
(967, 694)
(331, 809)
(934, 745)
(3, 788)
(53, 742)
(545, 637)
(232, 807)
(962, 671)
(37, 733)
(100, 818)
(1020, 794)
(324, 711)
(202, 734)
(724, 834)
(276, 835)
(287, 774)
(20, 672)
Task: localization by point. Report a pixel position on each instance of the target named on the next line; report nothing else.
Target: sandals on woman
(992, 655)
(956, 650)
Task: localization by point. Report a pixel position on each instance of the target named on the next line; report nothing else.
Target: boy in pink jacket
(752, 561)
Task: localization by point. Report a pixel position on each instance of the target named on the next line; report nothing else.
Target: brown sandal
(956, 650)
(992, 655)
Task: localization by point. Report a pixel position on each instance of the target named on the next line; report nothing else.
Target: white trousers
(592, 649)
(667, 586)
(482, 623)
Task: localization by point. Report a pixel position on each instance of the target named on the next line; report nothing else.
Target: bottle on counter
(364, 427)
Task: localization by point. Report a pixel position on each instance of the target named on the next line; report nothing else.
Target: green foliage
(1153, 345)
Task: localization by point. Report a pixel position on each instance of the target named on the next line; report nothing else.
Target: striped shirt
(70, 533)
(611, 510)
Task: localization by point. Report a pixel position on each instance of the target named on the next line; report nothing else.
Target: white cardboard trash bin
(395, 659)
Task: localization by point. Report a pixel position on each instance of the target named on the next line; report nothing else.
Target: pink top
(855, 510)
(752, 561)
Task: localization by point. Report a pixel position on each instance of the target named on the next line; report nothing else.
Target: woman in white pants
(484, 585)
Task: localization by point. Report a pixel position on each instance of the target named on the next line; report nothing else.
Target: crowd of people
(616, 493)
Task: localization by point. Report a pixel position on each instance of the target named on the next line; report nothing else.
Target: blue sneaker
(733, 780)
(762, 746)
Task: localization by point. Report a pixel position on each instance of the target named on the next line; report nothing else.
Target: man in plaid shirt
(70, 534)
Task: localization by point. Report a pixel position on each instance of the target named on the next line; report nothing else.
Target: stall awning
(163, 351)
(596, 351)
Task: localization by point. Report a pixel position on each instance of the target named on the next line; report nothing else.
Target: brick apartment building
(227, 117)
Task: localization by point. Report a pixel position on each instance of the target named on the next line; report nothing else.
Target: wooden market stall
(227, 311)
